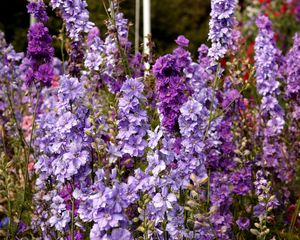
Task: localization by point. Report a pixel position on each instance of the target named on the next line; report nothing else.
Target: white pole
(137, 25)
(32, 20)
(147, 24)
(146, 30)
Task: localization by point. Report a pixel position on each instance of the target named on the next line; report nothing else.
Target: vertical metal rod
(146, 30)
(147, 24)
(32, 20)
(137, 25)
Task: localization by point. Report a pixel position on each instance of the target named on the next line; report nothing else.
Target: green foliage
(170, 18)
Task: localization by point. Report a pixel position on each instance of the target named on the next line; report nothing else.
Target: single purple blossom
(243, 223)
(182, 41)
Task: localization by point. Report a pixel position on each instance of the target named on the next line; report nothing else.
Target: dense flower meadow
(95, 145)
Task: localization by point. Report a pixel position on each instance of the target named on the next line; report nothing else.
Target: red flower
(291, 211)
(264, 1)
(246, 76)
(283, 8)
(223, 62)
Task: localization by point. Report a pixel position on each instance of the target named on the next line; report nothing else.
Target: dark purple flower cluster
(37, 65)
(171, 85)
(76, 58)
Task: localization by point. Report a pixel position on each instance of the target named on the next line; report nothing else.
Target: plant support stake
(147, 30)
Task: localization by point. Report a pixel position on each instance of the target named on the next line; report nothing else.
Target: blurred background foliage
(170, 18)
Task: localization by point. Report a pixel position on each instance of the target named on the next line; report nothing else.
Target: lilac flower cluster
(9, 85)
(133, 120)
(75, 15)
(94, 56)
(116, 50)
(267, 58)
(64, 155)
(112, 164)
(266, 55)
(105, 59)
(105, 206)
(193, 127)
(293, 80)
(64, 124)
(221, 32)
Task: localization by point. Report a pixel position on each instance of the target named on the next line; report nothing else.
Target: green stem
(295, 216)
(9, 94)
(6, 183)
(28, 156)
(208, 188)
(61, 37)
(212, 104)
(9, 208)
(32, 133)
(123, 55)
(72, 219)
(213, 230)
(146, 227)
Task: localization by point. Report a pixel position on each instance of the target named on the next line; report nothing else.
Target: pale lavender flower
(154, 137)
(133, 120)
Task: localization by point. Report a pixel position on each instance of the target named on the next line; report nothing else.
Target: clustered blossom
(293, 79)
(171, 85)
(266, 201)
(94, 56)
(133, 119)
(105, 58)
(193, 128)
(221, 32)
(64, 153)
(180, 153)
(37, 64)
(38, 9)
(105, 206)
(9, 81)
(76, 58)
(266, 61)
(75, 15)
(116, 50)
(66, 150)
(267, 58)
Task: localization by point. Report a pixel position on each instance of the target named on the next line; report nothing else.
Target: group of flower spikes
(121, 156)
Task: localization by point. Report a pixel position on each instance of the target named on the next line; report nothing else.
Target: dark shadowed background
(170, 18)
